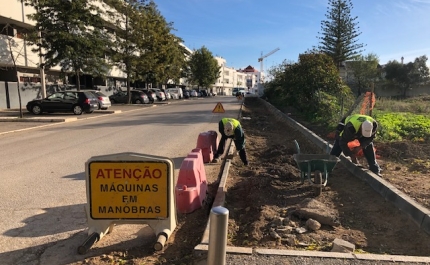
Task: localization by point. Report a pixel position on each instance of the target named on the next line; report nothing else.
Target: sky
(241, 31)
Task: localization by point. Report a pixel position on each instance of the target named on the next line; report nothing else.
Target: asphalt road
(42, 169)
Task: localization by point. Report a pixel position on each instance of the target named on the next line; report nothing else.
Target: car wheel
(137, 101)
(77, 110)
(112, 101)
(36, 109)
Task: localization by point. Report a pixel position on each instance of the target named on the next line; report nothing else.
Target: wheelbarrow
(316, 166)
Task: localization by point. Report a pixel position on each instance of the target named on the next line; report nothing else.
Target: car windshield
(56, 95)
(70, 95)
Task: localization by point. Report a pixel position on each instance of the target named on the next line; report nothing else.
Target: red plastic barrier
(191, 187)
(213, 136)
(197, 153)
(207, 141)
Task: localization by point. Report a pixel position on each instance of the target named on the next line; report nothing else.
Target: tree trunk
(78, 81)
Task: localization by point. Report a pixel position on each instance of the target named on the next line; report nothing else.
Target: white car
(177, 91)
(103, 100)
(194, 93)
(160, 94)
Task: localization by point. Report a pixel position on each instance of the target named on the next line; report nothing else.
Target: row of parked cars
(139, 96)
(86, 101)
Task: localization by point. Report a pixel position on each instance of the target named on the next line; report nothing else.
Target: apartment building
(230, 77)
(13, 22)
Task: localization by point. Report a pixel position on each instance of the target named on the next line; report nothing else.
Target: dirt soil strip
(271, 188)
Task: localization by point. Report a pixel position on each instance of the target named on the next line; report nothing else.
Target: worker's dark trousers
(368, 152)
(221, 146)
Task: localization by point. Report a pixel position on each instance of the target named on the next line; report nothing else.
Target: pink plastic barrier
(207, 141)
(191, 187)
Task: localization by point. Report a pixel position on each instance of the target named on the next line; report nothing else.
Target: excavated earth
(266, 199)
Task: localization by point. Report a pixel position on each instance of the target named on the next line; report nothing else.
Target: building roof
(248, 69)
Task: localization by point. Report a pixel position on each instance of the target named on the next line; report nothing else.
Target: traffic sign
(218, 108)
(128, 190)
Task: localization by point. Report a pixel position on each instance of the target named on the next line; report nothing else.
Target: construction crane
(261, 59)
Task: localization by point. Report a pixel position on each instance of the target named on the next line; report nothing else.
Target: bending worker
(231, 128)
(357, 127)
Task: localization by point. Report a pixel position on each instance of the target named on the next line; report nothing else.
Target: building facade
(14, 51)
(230, 78)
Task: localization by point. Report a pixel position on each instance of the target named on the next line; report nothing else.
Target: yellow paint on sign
(218, 108)
(128, 190)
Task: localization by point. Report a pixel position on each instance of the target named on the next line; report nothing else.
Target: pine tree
(340, 32)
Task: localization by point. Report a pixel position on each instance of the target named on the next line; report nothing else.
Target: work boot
(378, 172)
(216, 159)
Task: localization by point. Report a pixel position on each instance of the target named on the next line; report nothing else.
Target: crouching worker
(357, 127)
(231, 128)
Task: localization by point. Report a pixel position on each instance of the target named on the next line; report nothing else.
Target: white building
(230, 77)
(14, 21)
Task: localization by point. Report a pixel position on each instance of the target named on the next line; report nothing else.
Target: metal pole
(218, 236)
(41, 68)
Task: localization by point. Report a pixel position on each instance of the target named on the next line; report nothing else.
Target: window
(6, 29)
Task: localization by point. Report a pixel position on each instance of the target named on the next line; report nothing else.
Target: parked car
(137, 97)
(173, 95)
(176, 90)
(167, 93)
(104, 101)
(187, 94)
(77, 102)
(159, 94)
(194, 93)
(151, 95)
(204, 93)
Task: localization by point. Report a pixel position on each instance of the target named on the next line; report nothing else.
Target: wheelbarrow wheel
(317, 182)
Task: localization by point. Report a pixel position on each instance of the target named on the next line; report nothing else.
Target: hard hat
(228, 128)
(366, 128)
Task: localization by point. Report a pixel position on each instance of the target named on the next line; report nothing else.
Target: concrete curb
(419, 214)
(41, 119)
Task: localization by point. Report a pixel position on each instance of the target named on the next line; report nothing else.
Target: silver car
(104, 101)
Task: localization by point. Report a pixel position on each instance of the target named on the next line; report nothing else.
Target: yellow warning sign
(218, 108)
(128, 190)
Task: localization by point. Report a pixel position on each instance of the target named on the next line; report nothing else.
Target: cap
(366, 128)
(228, 128)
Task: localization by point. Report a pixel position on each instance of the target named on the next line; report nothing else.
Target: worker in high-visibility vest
(357, 127)
(231, 128)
